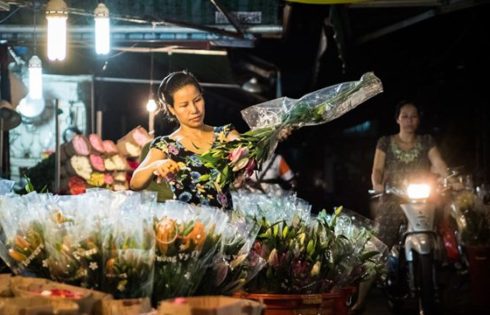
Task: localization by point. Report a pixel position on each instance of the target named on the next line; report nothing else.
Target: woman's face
(188, 106)
(408, 119)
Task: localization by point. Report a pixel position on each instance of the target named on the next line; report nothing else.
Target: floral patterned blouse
(194, 182)
(401, 165)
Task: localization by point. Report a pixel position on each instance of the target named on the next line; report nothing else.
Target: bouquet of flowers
(22, 245)
(186, 241)
(73, 239)
(235, 264)
(267, 120)
(355, 253)
(472, 217)
(305, 254)
(62, 241)
(128, 247)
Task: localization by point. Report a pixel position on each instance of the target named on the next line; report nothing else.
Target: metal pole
(151, 122)
(57, 156)
(99, 123)
(92, 106)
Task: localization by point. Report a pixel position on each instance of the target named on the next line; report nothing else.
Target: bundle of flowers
(473, 218)
(267, 120)
(305, 254)
(128, 248)
(235, 264)
(22, 245)
(187, 239)
(73, 240)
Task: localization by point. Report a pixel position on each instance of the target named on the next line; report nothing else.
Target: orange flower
(166, 233)
(197, 236)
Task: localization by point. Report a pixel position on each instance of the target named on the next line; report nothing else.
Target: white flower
(93, 265)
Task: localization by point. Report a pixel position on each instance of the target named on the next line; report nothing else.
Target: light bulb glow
(418, 191)
(102, 35)
(151, 106)
(35, 78)
(102, 30)
(30, 108)
(56, 37)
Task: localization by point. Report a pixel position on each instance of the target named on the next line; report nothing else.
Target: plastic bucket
(334, 303)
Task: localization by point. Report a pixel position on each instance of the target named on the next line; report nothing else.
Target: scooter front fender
(421, 243)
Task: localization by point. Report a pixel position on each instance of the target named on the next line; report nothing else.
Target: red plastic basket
(332, 303)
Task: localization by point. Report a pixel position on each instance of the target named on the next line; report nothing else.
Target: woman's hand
(163, 168)
(378, 188)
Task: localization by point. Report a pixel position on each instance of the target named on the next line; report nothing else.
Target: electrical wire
(10, 15)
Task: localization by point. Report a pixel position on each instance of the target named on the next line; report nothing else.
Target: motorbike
(412, 271)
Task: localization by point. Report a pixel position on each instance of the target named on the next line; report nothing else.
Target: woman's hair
(172, 83)
(403, 103)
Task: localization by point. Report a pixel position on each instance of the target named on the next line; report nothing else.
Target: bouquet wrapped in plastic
(186, 241)
(355, 253)
(267, 120)
(128, 247)
(235, 264)
(62, 238)
(22, 245)
(306, 254)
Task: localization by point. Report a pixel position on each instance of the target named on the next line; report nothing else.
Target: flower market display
(130, 246)
(88, 162)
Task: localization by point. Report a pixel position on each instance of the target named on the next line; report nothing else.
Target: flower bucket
(333, 303)
(479, 259)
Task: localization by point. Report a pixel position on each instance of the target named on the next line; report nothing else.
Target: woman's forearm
(377, 178)
(141, 177)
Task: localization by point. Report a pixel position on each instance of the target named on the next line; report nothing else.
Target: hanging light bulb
(151, 106)
(35, 78)
(102, 30)
(56, 14)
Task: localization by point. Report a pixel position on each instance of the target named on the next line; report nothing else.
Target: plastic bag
(187, 240)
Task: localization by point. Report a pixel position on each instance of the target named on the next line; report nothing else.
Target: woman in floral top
(174, 158)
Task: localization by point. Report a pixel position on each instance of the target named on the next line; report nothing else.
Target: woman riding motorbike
(398, 159)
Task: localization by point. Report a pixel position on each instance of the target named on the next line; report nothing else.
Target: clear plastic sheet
(314, 108)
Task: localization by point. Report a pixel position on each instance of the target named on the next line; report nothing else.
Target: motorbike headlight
(418, 191)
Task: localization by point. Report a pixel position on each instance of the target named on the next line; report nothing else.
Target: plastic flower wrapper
(187, 239)
(267, 120)
(22, 246)
(354, 253)
(62, 239)
(6, 186)
(235, 264)
(272, 208)
(128, 249)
